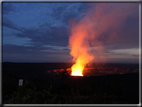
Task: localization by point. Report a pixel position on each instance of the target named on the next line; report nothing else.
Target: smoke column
(87, 34)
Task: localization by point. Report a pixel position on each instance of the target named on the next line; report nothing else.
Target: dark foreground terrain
(106, 89)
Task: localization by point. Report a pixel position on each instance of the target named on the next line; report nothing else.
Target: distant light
(20, 82)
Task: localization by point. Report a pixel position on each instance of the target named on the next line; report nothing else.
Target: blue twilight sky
(39, 32)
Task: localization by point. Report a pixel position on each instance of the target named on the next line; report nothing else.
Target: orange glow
(77, 70)
(80, 48)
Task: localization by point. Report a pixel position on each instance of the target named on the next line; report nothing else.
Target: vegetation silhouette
(106, 89)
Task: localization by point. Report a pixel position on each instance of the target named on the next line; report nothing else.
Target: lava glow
(77, 70)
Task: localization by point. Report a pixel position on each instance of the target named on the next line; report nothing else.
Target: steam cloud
(87, 34)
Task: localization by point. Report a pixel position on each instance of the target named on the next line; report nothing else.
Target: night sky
(39, 32)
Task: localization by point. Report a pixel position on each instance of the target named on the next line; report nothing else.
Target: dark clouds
(48, 30)
(67, 11)
(34, 53)
(7, 8)
(58, 11)
(46, 34)
(8, 23)
(14, 49)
